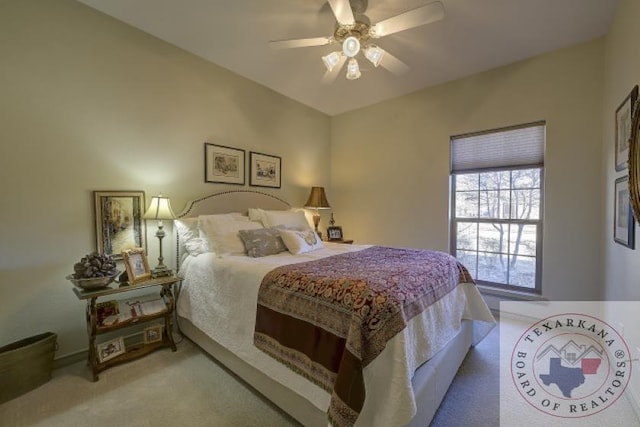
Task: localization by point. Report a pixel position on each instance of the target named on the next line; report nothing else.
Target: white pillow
(221, 231)
(294, 219)
(299, 242)
(255, 214)
(189, 236)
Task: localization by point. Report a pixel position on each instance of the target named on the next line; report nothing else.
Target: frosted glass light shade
(353, 69)
(331, 60)
(374, 54)
(351, 46)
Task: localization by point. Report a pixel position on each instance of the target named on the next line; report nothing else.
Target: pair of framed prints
(226, 165)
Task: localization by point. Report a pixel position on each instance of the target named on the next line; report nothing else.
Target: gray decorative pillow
(262, 242)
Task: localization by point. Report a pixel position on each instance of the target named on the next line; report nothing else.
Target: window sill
(508, 293)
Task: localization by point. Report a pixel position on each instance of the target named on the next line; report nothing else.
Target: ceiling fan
(356, 36)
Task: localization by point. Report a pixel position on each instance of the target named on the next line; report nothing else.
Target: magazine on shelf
(107, 310)
(121, 311)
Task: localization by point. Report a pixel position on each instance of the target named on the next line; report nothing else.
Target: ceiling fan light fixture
(353, 69)
(374, 54)
(331, 60)
(351, 46)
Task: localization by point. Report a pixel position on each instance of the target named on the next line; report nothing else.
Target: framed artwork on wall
(223, 165)
(624, 114)
(623, 222)
(118, 221)
(264, 170)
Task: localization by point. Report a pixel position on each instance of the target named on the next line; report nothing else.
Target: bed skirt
(430, 382)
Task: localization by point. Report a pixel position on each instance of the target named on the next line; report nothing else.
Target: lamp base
(161, 271)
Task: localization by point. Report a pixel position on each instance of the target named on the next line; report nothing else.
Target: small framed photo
(153, 334)
(334, 233)
(264, 170)
(136, 265)
(623, 222)
(110, 349)
(624, 114)
(118, 221)
(223, 165)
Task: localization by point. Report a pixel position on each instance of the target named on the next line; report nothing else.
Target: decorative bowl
(93, 282)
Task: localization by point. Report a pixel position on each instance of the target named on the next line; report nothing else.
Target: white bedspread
(219, 296)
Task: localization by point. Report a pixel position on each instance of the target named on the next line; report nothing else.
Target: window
(497, 193)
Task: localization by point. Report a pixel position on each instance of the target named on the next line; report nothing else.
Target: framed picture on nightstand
(110, 349)
(334, 233)
(153, 334)
(136, 265)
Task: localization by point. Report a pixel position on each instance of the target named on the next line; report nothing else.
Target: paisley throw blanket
(328, 319)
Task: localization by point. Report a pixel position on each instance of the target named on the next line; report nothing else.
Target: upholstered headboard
(227, 202)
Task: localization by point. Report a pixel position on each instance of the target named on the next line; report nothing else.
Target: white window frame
(454, 220)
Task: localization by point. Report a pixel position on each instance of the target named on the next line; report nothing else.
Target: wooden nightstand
(347, 242)
(160, 308)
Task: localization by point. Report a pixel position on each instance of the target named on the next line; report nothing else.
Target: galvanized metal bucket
(26, 364)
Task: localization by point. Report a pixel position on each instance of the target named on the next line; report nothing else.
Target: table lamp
(317, 200)
(160, 209)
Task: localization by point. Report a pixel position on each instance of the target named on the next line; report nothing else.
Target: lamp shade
(160, 208)
(317, 199)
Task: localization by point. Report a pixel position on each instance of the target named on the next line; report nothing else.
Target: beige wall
(89, 103)
(622, 72)
(621, 271)
(390, 162)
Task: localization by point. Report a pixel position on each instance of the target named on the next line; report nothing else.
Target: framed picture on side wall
(224, 165)
(623, 222)
(264, 170)
(118, 221)
(624, 114)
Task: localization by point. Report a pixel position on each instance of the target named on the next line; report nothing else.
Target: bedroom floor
(186, 389)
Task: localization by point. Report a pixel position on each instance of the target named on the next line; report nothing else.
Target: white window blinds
(521, 146)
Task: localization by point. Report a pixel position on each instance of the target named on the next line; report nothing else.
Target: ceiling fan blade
(330, 76)
(342, 11)
(423, 15)
(393, 64)
(286, 44)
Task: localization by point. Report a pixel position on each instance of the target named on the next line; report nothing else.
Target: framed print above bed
(623, 222)
(118, 220)
(264, 170)
(224, 165)
(624, 114)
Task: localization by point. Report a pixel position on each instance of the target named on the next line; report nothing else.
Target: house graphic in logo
(569, 365)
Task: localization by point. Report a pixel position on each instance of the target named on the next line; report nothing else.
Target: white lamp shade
(160, 208)
(353, 70)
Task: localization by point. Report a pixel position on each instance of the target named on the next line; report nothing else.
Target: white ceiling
(475, 35)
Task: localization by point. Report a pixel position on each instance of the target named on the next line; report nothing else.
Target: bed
(404, 383)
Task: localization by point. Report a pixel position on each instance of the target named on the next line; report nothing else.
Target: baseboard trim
(70, 359)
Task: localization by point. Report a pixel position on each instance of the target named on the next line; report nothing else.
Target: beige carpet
(185, 388)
